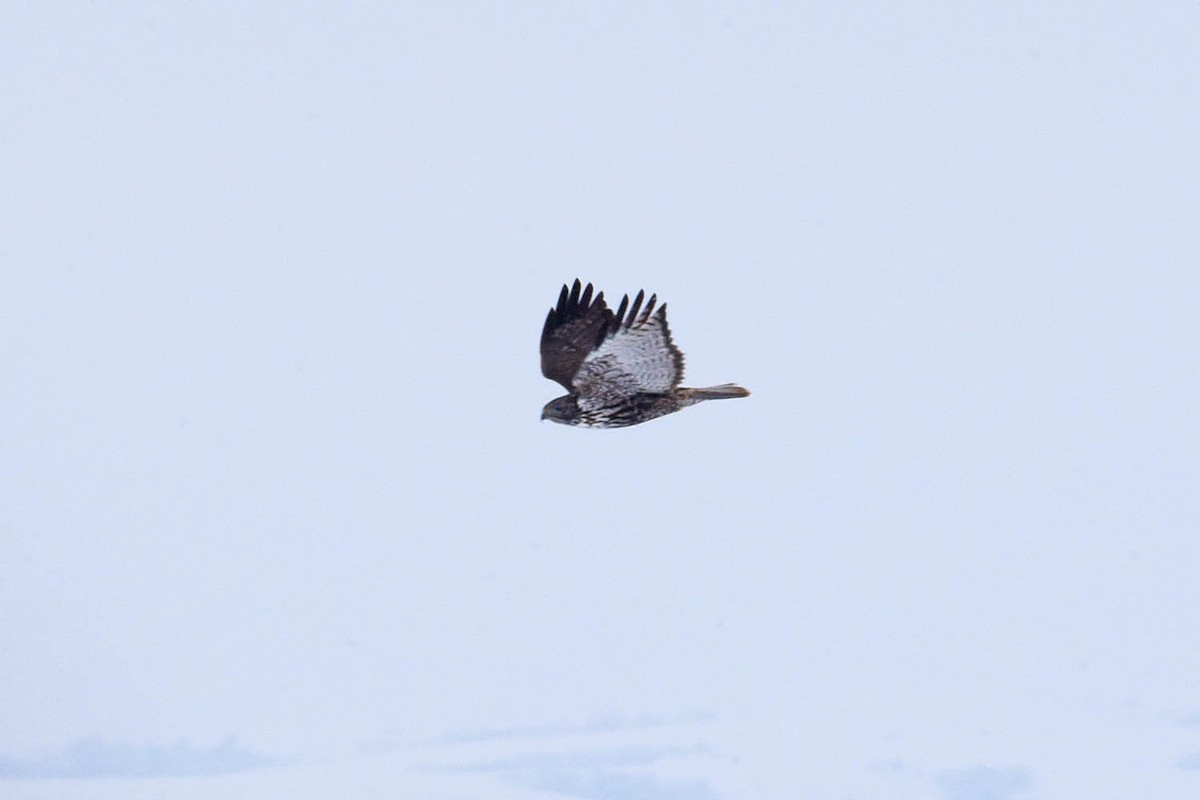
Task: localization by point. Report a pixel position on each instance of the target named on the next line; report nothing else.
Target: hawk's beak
(543, 415)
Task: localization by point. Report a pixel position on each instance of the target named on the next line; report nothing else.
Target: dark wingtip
(620, 316)
(575, 301)
(574, 298)
(637, 306)
(649, 308)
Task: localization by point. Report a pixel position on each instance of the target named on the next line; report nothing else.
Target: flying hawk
(620, 369)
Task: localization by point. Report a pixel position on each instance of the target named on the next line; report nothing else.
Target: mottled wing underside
(636, 356)
(574, 328)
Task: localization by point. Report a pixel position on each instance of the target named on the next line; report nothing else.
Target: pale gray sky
(275, 502)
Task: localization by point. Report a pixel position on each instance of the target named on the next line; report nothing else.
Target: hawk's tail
(722, 392)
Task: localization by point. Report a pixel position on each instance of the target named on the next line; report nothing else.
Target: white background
(278, 517)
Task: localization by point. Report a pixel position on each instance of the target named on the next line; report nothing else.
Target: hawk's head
(562, 410)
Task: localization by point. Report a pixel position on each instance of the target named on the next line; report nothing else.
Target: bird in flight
(619, 369)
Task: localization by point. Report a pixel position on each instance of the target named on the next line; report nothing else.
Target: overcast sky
(278, 515)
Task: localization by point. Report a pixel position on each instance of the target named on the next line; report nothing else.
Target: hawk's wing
(637, 356)
(574, 328)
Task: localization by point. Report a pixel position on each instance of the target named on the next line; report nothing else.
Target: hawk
(620, 369)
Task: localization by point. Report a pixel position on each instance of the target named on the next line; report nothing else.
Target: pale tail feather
(722, 392)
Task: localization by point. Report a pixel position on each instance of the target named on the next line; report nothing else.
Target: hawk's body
(620, 369)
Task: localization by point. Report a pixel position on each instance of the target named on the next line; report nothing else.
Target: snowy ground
(690, 758)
